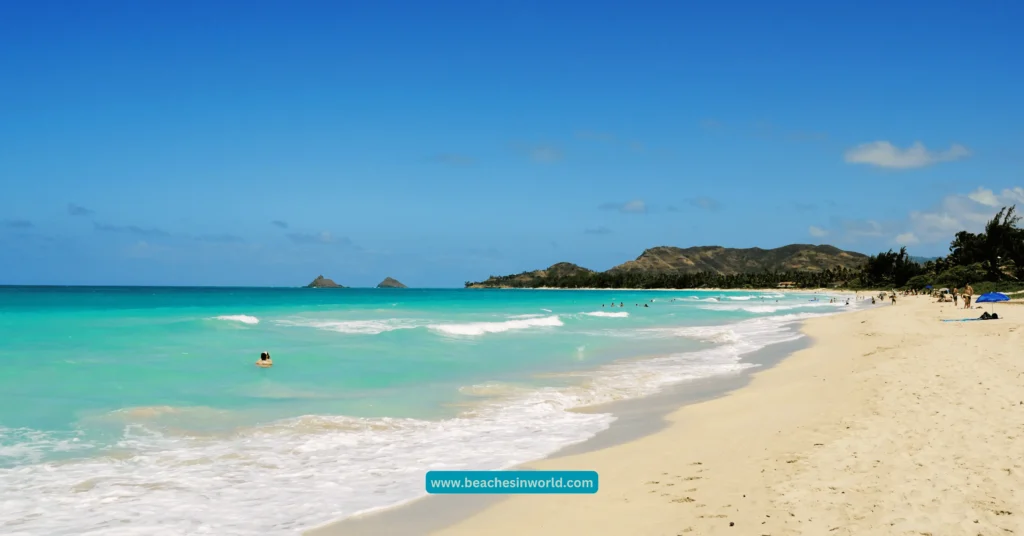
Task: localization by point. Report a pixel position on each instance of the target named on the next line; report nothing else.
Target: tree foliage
(889, 269)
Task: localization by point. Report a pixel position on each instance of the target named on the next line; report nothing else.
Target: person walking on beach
(955, 291)
(968, 292)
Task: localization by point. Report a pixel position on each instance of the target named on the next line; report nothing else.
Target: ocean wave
(245, 319)
(608, 314)
(516, 317)
(220, 485)
(354, 327)
(482, 328)
(313, 469)
(765, 309)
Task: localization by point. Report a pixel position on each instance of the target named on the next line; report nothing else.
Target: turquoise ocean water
(140, 410)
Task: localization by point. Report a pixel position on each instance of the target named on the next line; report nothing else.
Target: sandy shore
(891, 423)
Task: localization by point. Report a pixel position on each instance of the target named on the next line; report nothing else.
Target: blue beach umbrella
(992, 297)
(927, 286)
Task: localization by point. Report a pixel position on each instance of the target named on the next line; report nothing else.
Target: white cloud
(887, 155)
(1013, 195)
(636, 206)
(984, 196)
(817, 232)
(960, 212)
(906, 239)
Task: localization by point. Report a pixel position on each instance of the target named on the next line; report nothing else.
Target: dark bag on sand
(986, 316)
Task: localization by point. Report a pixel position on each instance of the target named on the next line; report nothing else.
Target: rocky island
(391, 283)
(323, 282)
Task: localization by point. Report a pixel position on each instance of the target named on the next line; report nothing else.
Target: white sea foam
(770, 308)
(514, 317)
(24, 445)
(482, 328)
(245, 319)
(355, 327)
(608, 314)
(317, 468)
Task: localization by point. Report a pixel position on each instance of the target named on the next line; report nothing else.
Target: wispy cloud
(453, 159)
(907, 239)
(545, 153)
(79, 210)
(321, 238)
(960, 212)
(598, 231)
(862, 228)
(936, 226)
(130, 229)
(704, 203)
(16, 224)
(817, 232)
(636, 206)
(886, 155)
(279, 223)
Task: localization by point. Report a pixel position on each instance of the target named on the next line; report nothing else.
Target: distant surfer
(265, 360)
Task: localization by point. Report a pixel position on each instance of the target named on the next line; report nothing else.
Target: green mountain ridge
(673, 261)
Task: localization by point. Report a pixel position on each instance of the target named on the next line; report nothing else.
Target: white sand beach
(893, 422)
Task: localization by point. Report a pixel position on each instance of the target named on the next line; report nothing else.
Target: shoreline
(634, 418)
(890, 422)
(713, 289)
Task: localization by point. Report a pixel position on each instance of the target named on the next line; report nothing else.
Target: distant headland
(702, 266)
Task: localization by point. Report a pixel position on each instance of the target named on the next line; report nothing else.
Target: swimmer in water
(265, 360)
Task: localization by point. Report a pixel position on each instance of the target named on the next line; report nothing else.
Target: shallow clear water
(134, 410)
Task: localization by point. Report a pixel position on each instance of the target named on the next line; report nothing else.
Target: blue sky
(264, 143)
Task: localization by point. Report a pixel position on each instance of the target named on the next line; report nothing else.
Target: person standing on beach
(968, 292)
(955, 290)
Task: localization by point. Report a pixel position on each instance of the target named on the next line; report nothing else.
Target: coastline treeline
(994, 256)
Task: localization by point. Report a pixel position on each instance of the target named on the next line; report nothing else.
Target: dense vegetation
(987, 259)
(990, 258)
